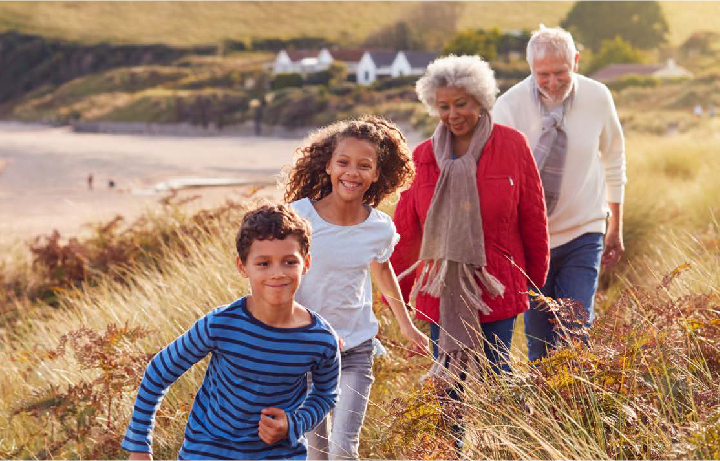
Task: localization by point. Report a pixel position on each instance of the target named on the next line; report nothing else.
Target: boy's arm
(387, 282)
(163, 370)
(321, 399)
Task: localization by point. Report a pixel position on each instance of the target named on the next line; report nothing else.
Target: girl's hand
(273, 426)
(140, 456)
(420, 342)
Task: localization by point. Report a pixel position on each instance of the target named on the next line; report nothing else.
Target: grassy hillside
(190, 23)
(193, 23)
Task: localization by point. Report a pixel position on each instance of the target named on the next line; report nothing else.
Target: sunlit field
(645, 388)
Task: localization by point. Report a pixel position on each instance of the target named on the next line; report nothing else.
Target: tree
(614, 51)
(472, 42)
(640, 23)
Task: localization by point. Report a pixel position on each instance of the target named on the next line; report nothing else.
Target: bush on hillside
(228, 46)
(615, 51)
(634, 81)
(397, 82)
(286, 80)
(293, 108)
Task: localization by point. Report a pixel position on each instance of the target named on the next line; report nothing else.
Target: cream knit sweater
(595, 163)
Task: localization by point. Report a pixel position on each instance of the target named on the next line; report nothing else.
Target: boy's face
(274, 268)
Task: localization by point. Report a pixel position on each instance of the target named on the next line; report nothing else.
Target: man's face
(553, 75)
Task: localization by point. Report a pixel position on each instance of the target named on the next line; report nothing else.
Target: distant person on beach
(571, 122)
(111, 184)
(342, 173)
(90, 181)
(472, 225)
(253, 402)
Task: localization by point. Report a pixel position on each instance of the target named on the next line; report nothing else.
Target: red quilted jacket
(513, 215)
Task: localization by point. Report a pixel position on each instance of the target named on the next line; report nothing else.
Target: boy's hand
(420, 342)
(140, 456)
(273, 425)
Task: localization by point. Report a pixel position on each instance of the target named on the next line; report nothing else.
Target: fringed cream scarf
(453, 248)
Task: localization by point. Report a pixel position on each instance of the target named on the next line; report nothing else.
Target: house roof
(347, 55)
(297, 55)
(420, 59)
(382, 58)
(616, 71)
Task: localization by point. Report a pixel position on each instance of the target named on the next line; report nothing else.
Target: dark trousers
(574, 270)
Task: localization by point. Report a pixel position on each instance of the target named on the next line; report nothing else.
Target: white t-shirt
(338, 285)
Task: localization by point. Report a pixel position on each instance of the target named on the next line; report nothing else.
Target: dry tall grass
(646, 388)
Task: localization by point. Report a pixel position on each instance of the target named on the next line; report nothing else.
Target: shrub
(397, 82)
(286, 80)
(81, 420)
(634, 81)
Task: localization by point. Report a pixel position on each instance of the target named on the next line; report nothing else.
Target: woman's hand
(140, 456)
(273, 426)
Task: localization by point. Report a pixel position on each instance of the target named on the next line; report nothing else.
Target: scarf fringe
(432, 281)
(493, 286)
(458, 362)
(472, 290)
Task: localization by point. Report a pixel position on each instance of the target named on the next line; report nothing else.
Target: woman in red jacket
(473, 225)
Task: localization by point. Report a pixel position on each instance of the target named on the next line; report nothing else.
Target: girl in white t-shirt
(341, 173)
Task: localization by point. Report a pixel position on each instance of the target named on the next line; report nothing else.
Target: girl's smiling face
(353, 168)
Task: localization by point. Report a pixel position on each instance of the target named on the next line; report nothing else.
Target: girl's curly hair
(308, 179)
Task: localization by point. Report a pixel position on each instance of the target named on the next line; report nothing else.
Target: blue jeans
(342, 441)
(498, 336)
(574, 270)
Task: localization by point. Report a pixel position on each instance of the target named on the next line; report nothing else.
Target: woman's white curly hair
(469, 73)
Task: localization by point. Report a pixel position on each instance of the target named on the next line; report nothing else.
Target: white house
(302, 61)
(363, 66)
(374, 65)
(411, 63)
(316, 60)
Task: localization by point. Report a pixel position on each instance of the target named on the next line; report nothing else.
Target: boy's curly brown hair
(272, 222)
(308, 179)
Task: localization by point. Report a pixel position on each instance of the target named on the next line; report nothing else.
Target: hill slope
(193, 23)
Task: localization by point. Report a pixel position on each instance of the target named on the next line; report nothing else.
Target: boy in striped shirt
(253, 402)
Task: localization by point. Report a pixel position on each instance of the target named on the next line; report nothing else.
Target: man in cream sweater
(571, 123)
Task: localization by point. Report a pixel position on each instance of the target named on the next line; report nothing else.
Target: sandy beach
(44, 174)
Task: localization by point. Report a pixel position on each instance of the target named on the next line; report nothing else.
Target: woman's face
(458, 110)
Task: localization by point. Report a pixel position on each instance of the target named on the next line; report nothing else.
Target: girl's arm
(386, 280)
(162, 371)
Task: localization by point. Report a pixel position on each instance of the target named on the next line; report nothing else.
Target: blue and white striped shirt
(253, 366)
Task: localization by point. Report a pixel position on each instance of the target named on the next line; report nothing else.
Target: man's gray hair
(551, 40)
(469, 73)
